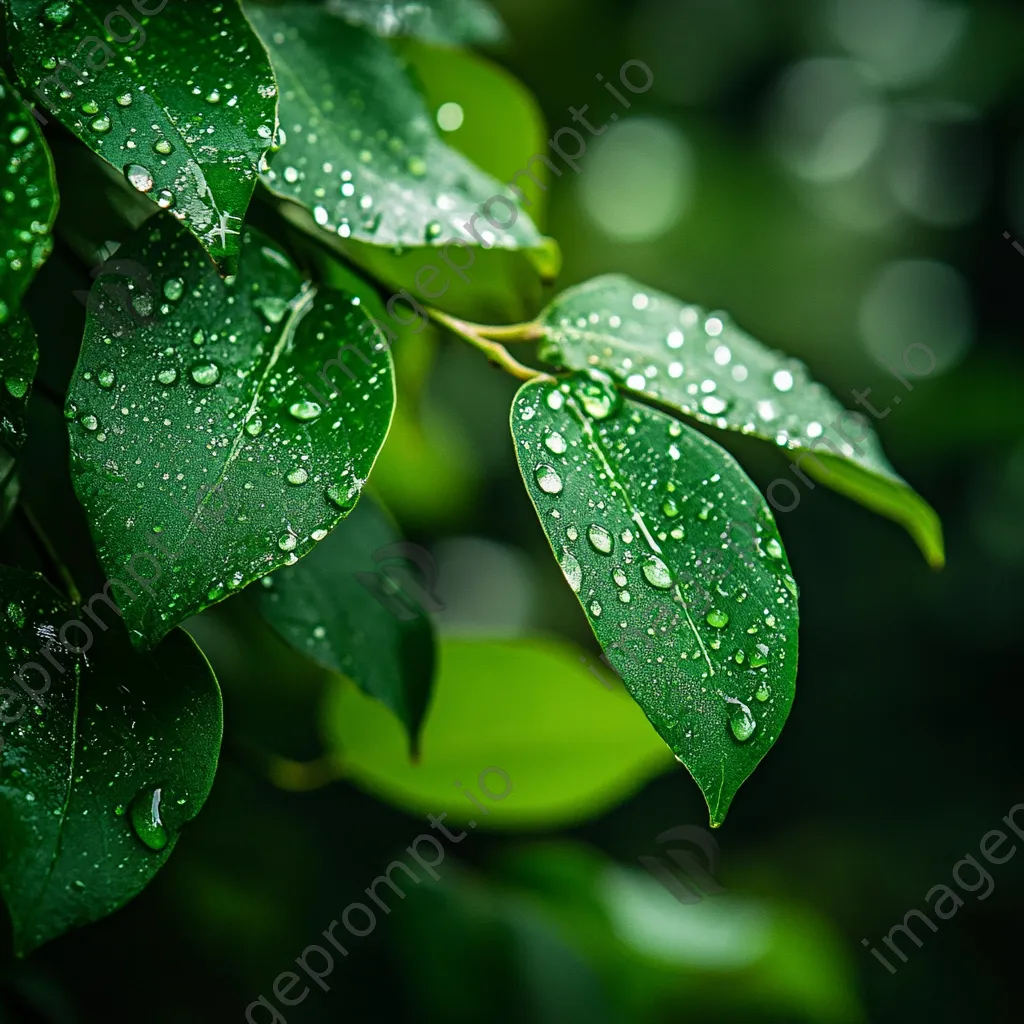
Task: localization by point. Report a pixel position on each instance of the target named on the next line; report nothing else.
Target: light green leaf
(28, 199)
(360, 149)
(183, 102)
(345, 607)
(101, 767)
(569, 746)
(19, 357)
(703, 365)
(226, 432)
(677, 563)
(436, 21)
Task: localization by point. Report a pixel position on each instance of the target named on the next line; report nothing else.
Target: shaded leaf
(206, 435)
(570, 747)
(28, 199)
(360, 149)
(183, 102)
(436, 21)
(357, 604)
(675, 558)
(19, 357)
(706, 367)
(101, 767)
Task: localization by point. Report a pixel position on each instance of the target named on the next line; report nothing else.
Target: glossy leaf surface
(703, 365)
(103, 760)
(436, 21)
(19, 357)
(677, 563)
(205, 443)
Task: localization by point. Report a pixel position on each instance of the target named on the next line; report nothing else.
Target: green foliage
(636, 507)
(28, 199)
(188, 134)
(234, 387)
(111, 754)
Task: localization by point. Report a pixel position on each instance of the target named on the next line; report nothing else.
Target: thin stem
(529, 331)
(304, 776)
(496, 353)
(50, 554)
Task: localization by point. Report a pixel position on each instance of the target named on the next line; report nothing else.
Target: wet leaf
(436, 21)
(19, 357)
(358, 605)
(226, 429)
(182, 102)
(360, 150)
(675, 558)
(28, 199)
(103, 760)
(703, 365)
(570, 746)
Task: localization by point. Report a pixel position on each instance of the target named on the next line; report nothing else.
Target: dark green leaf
(208, 435)
(101, 766)
(345, 606)
(19, 356)
(436, 21)
(705, 366)
(28, 198)
(360, 149)
(570, 746)
(183, 102)
(677, 563)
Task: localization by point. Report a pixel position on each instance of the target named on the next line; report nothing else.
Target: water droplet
(16, 614)
(597, 394)
(555, 443)
(433, 230)
(199, 337)
(548, 479)
(19, 135)
(16, 386)
(124, 100)
(287, 541)
(58, 13)
(145, 818)
(254, 426)
(213, 96)
(89, 422)
(165, 199)
(713, 405)
(773, 547)
(717, 618)
(625, 597)
(298, 476)
(656, 572)
(167, 376)
(105, 378)
(205, 374)
(783, 380)
(741, 720)
(572, 570)
(760, 656)
(555, 400)
(343, 497)
(163, 147)
(305, 410)
(595, 609)
(101, 124)
(763, 692)
(174, 288)
(670, 508)
(600, 539)
(139, 177)
(619, 576)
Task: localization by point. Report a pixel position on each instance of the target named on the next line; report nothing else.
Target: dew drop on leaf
(548, 479)
(717, 618)
(741, 720)
(571, 569)
(144, 814)
(206, 374)
(139, 177)
(600, 539)
(305, 410)
(656, 572)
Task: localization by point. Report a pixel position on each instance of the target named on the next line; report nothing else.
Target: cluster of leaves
(228, 406)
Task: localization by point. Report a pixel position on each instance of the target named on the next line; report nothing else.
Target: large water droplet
(717, 618)
(555, 443)
(741, 719)
(105, 378)
(146, 821)
(343, 496)
(287, 542)
(773, 547)
(174, 288)
(305, 410)
(163, 147)
(600, 538)
(139, 177)
(58, 13)
(167, 376)
(763, 692)
(656, 572)
(597, 394)
(205, 374)
(572, 569)
(298, 476)
(548, 479)
(16, 614)
(101, 124)
(254, 426)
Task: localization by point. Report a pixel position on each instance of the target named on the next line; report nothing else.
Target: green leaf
(436, 21)
(19, 357)
(228, 431)
(360, 149)
(344, 606)
(569, 746)
(705, 366)
(101, 767)
(675, 558)
(183, 102)
(28, 198)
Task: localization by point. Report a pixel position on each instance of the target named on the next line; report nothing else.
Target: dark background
(839, 176)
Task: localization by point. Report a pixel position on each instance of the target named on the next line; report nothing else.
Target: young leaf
(229, 431)
(19, 356)
(182, 101)
(105, 757)
(677, 563)
(705, 366)
(345, 607)
(28, 199)
(569, 746)
(360, 149)
(436, 21)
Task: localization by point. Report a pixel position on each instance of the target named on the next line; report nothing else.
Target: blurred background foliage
(839, 175)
